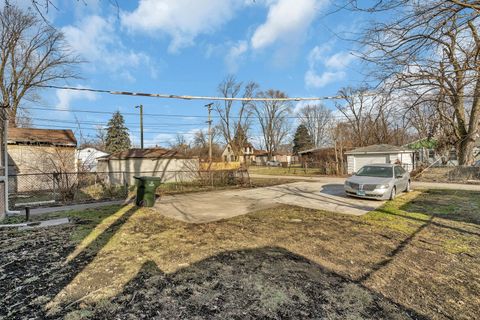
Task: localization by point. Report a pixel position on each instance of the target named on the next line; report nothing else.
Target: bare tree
(366, 115)
(431, 50)
(317, 119)
(235, 124)
(33, 54)
(200, 144)
(273, 119)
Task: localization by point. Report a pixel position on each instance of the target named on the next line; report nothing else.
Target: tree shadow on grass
(262, 283)
(454, 205)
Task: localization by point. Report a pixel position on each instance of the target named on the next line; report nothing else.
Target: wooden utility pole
(209, 106)
(141, 125)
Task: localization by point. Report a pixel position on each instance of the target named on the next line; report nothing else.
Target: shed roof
(148, 153)
(379, 148)
(57, 137)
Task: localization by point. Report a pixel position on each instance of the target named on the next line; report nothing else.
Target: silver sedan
(378, 181)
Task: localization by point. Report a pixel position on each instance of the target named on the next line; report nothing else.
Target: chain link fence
(50, 189)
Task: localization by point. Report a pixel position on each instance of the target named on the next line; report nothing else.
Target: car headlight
(347, 183)
(382, 186)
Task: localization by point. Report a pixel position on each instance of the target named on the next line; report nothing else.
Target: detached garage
(379, 153)
(122, 166)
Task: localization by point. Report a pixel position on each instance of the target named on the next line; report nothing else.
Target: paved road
(217, 205)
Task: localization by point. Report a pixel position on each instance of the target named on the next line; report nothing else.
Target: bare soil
(417, 257)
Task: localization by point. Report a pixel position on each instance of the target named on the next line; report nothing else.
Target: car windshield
(376, 171)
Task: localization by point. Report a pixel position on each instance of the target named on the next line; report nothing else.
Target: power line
(86, 122)
(156, 114)
(192, 97)
(52, 126)
(216, 98)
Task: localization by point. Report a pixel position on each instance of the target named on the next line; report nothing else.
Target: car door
(399, 178)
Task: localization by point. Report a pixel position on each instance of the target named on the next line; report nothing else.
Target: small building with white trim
(380, 153)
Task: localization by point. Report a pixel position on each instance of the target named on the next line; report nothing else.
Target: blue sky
(188, 47)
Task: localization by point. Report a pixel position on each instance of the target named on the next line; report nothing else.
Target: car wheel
(393, 193)
(408, 188)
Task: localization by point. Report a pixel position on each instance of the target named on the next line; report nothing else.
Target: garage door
(363, 160)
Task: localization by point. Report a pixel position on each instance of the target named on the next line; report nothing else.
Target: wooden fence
(219, 166)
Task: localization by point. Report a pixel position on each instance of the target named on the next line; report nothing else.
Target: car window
(375, 171)
(399, 171)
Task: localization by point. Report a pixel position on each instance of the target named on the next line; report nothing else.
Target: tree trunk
(12, 123)
(465, 151)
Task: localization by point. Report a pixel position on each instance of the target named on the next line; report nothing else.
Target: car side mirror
(354, 173)
(398, 176)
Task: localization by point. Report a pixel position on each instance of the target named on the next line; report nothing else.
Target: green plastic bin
(146, 187)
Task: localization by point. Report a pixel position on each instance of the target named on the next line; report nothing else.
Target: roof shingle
(42, 136)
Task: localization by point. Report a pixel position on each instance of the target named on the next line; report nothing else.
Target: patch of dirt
(32, 270)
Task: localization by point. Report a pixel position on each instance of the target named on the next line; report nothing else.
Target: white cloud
(94, 39)
(287, 20)
(339, 60)
(182, 20)
(65, 97)
(312, 79)
(333, 66)
(235, 54)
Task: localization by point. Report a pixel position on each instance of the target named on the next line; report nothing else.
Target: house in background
(426, 153)
(245, 155)
(40, 153)
(380, 153)
(87, 158)
(121, 167)
(260, 157)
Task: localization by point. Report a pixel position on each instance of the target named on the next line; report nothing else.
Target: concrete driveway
(216, 205)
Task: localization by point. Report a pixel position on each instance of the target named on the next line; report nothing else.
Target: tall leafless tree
(234, 121)
(431, 50)
(318, 120)
(33, 54)
(273, 119)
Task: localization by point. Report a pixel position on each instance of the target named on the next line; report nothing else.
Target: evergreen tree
(118, 138)
(302, 140)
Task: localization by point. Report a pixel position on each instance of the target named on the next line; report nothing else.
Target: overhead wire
(194, 97)
(154, 114)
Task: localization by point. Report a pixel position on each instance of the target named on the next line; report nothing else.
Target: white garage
(379, 153)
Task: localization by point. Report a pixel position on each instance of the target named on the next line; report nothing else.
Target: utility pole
(141, 125)
(209, 106)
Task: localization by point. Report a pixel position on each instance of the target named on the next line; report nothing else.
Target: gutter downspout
(5, 177)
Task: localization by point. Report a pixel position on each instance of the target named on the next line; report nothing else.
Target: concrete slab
(217, 205)
(209, 206)
(315, 195)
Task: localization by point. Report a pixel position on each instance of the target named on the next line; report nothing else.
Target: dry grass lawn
(415, 257)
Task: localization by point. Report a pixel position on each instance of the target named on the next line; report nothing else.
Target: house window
(431, 154)
(228, 149)
(225, 158)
